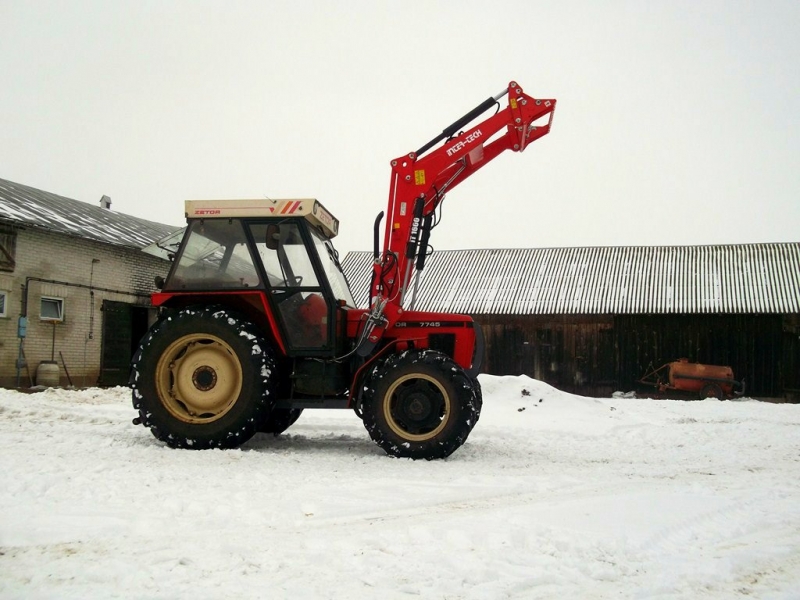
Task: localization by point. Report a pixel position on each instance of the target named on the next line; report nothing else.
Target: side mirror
(273, 237)
(159, 281)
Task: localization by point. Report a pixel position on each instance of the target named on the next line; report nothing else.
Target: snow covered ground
(553, 496)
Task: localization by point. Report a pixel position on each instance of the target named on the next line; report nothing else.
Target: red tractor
(258, 322)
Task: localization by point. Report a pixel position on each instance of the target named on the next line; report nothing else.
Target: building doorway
(124, 325)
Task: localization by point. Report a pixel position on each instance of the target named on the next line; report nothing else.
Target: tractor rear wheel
(203, 378)
(280, 419)
(419, 404)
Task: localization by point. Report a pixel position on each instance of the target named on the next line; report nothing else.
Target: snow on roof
(24, 205)
(742, 278)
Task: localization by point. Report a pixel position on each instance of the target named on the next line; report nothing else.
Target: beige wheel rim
(416, 407)
(198, 378)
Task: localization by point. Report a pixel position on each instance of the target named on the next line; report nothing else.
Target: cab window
(214, 256)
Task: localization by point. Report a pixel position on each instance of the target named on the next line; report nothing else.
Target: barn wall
(599, 354)
(78, 338)
(790, 365)
(750, 344)
(571, 352)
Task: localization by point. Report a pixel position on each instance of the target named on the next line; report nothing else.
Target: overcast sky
(677, 122)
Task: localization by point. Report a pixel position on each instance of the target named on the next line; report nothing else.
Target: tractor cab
(282, 251)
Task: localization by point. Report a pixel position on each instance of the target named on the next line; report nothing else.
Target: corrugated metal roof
(745, 278)
(24, 205)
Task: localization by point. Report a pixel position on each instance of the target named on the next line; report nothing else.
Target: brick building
(78, 277)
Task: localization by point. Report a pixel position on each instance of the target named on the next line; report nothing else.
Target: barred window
(3, 304)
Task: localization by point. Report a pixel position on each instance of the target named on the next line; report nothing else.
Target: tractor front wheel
(478, 392)
(419, 404)
(203, 378)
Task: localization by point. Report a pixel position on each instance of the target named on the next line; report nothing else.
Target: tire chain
(443, 364)
(243, 328)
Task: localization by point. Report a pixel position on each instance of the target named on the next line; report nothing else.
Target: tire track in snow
(769, 572)
(524, 498)
(743, 537)
(32, 412)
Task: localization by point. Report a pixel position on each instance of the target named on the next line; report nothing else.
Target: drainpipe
(22, 331)
(91, 298)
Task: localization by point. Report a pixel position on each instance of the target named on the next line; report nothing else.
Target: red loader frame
(418, 186)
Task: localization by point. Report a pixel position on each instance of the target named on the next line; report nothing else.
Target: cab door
(296, 290)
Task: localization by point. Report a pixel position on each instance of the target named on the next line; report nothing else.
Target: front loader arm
(419, 181)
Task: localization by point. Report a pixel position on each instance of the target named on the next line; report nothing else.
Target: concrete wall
(118, 274)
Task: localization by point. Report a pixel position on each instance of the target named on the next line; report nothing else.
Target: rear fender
(253, 304)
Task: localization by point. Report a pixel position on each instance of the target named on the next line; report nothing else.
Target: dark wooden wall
(599, 354)
(750, 344)
(790, 365)
(572, 353)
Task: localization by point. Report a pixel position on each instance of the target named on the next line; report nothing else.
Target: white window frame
(59, 302)
(3, 303)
